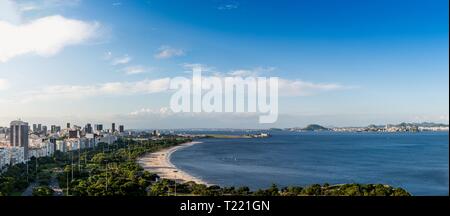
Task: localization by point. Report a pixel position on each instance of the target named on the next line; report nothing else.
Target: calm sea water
(418, 162)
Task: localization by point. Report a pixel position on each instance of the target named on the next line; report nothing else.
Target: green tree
(42, 191)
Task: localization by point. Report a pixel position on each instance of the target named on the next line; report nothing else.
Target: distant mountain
(315, 127)
(423, 124)
(275, 129)
(430, 124)
(375, 126)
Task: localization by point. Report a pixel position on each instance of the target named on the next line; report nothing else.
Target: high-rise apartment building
(19, 136)
(88, 128)
(99, 127)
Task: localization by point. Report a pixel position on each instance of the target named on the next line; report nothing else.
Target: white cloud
(136, 69)
(302, 88)
(121, 60)
(228, 6)
(45, 36)
(168, 52)
(4, 84)
(286, 88)
(12, 10)
(26, 6)
(205, 69)
(191, 66)
(60, 3)
(85, 91)
(163, 111)
(243, 73)
(251, 72)
(124, 60)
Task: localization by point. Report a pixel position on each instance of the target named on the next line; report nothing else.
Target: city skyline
(89, 127)
(339, 65)
(40, 127)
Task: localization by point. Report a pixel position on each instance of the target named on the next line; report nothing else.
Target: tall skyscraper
(39, 127)
(88, 128)
(53, 142)
(34, 128)
(99, 127)
(113, 127)
(19, 136)
(68, 125)
(121, 128)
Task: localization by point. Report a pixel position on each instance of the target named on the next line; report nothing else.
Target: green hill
(315, 127)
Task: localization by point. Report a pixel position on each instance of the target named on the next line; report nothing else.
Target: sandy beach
(159, 163)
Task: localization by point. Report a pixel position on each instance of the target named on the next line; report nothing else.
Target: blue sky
(361, 62)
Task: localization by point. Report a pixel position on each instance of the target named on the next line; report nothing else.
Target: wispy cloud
(26, 8)
(228, 6)
(136, 69)
(124, 62)
(168, 52)
(121, 60)
(189, 67)
(42, 5)
(165, 118)
(85, 91)
(251, 72)
(12, 10)
(303, 88)
(116, 4)
(163, 111)
(60, 3)
(286, 88)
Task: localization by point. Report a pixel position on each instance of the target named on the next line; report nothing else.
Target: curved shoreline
(159, 163)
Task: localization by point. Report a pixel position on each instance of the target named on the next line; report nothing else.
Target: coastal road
(29, 190)
(53, 184)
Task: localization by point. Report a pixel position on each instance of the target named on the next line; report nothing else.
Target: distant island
(315, 127)
(402, 127)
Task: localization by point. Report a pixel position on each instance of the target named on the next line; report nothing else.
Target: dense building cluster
(20, 142)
